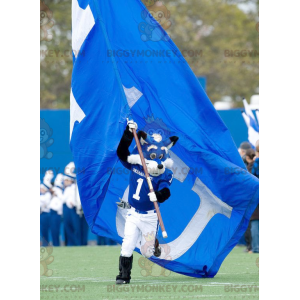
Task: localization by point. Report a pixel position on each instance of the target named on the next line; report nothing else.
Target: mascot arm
(164, 192)
(163, 195)
(124, 145)
(123, 148)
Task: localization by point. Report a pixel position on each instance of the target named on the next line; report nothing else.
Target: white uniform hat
(70, 171)
(59, 180)
(47, 179)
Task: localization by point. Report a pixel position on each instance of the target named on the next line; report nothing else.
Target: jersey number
(138, 189)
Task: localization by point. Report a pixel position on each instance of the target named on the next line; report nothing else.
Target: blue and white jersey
(139, 190)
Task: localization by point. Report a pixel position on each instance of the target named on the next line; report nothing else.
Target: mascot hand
(152, 196)
(131, 125)
(124, 205)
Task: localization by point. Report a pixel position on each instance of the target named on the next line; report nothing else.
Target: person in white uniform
(71, 218)
(45, 198)
(56, 207)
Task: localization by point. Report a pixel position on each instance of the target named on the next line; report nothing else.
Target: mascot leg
(148, 227)
(125, 266)
(131, 236)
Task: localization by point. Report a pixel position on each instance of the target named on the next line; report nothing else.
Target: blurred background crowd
(62, 220)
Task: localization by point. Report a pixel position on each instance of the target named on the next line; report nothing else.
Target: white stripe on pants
(139, 227)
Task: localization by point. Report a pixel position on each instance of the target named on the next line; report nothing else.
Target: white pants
(140, 231)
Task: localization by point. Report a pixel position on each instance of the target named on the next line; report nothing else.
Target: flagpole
(161, 223)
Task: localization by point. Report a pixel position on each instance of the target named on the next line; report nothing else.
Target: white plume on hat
(70, 170)
(47, 179)
(59, 180)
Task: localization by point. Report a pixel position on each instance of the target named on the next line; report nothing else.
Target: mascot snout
(157, 168)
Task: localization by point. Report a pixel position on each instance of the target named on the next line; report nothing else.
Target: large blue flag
(125, 65)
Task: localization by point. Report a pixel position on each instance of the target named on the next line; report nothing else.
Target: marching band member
(56, 208)
(45, 198)
(71, 218)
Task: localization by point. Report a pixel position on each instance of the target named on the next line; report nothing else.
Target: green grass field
(87, 273)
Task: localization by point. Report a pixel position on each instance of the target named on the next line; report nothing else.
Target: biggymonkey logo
(156, 126)
(46, 22)
(46, 259)
(45, 139)
(149, 268)
(156, 14)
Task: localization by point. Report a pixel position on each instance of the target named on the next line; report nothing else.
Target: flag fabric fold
(119, 74)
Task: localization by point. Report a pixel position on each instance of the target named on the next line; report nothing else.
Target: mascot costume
(141, 220)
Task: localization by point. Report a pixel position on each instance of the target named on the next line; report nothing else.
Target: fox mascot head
(155, 151)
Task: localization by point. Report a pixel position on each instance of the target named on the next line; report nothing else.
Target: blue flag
(126, 66)
(252, 124)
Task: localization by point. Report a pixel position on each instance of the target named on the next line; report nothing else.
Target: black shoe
(157, 251)
(125, 266)
(122, 281)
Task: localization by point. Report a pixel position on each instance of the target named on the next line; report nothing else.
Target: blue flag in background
(252, 124)
(124, 69)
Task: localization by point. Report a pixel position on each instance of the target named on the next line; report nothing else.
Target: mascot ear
(170, 142)
(142, 135)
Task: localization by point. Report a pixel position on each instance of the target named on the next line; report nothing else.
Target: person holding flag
(141, 221)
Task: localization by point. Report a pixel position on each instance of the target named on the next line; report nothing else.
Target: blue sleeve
(166, 181)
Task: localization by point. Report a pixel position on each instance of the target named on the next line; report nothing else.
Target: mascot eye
(42, 132)
(152, 155)
(150, 131)
(160, 15)
(161, 156)
(159, 131)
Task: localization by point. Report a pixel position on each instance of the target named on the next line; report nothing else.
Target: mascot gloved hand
(131, 125)
(141, 220)
(152, 196)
